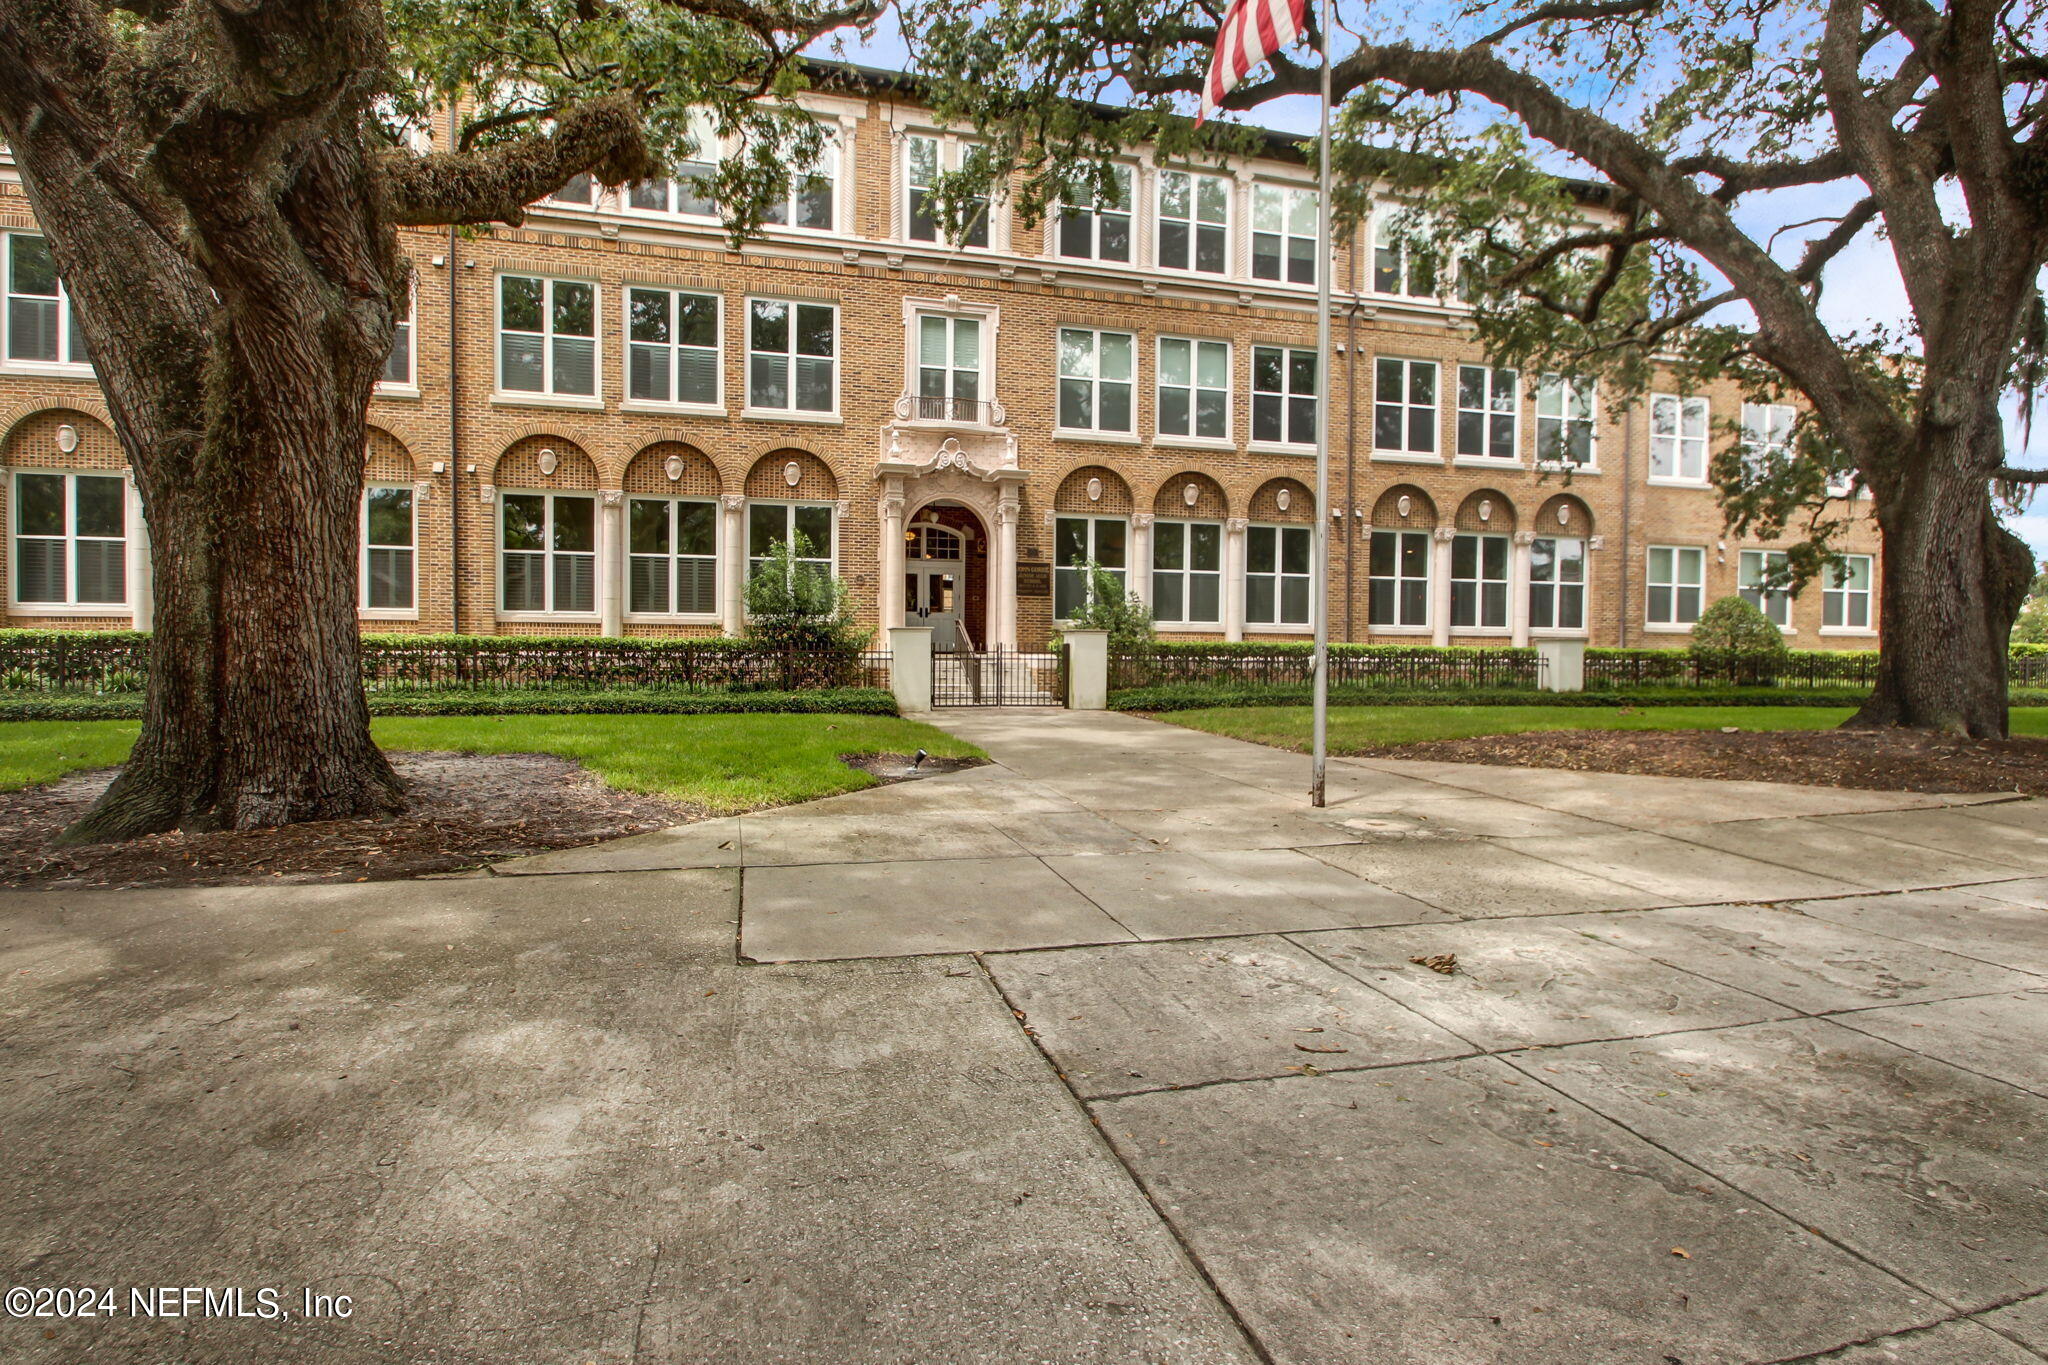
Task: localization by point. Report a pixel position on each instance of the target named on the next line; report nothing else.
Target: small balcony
(938, 410)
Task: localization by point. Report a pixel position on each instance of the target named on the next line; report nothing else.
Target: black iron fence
(999, 677)
(1628, 668)
(1389, 666)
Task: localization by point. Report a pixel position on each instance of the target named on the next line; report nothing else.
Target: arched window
(932, 542)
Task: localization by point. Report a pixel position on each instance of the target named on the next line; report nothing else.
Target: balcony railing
(980, 412)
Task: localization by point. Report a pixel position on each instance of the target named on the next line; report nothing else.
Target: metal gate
(999, 677)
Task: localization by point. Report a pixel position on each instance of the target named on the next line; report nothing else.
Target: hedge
(864, 701)
(1194, 697)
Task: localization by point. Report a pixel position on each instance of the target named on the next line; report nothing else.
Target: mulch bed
(1878, 760)
(466, 809)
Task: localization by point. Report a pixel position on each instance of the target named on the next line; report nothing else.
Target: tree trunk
(1952, 582)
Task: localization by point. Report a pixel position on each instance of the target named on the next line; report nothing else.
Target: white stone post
(1440, 584)
(1233, 577)
(1004, 597)
(1561, 665)
(1141, 556)
(889, 603)
(1518, 588)
(733, 613)
(141, 573)
(1087, 669)
(910, 666)
(611, 558)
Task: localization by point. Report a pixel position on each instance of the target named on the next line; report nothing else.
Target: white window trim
(1228, 440)
(1788, 628)
(1435, 455)
(1230, 215)
(1706, 454)
(953, 149)
(1458, 410)
(498, 553)
(1585, 584)
(718, 565)
(1113, 435)
(546, 398)
(410, 386)
(1251, 199)
(1280, 529)
(1862, 632)
(1509, 582)
(1252, 392)
(1571, 382)
(746, 555)
(1126, 569)
(1428, 623)
(1672, 627)
(1056, 213)
(18, 607)
(1383, 216)
(54, 369)
(1183, 623)
(627, 403)
(748, 411)
(363, 609)
(991, 319)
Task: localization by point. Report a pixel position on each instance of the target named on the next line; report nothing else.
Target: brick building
(592, 422)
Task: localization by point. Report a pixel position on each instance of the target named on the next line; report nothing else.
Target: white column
(141, 572)
(1440, 585)
(889, 592)
(734, 615)
(611, 544)
(910, 666)
(1087, 669)
(1003, 600)
(1518, 588)
(1233, 577)
(1141, 556)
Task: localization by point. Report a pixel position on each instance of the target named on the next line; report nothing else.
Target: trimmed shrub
(1201, 696)
(1733, 626)
(862, 701)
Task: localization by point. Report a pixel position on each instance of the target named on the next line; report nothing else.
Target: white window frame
(1195, 389)
(831, 166)
(70, 606)
(1281, 577)
(1386, 245)
(792, 413)
(1187, 573)
(715, 407)
(548, 555)
(411, 548)
(1480, 582)
(1567, 389)
(1286, 396)
(1287, 197)
(1400, 580)
(983, 371)
(1772, 602)
(1092, 554)
(1834, 585)
(1557, 590)
(1056, 223)
(717, 557)
(1095, 381)
(409, 386)
(547, 396)
(790, 506)
(1674, 584)
(64, 364)
(1676, 409)
(1488, 413)
(1403, 402)
(950, 153)
(1196, 225)
(710, 149)
(1759, 422)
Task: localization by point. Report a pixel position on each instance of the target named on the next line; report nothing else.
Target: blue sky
(1862, 288)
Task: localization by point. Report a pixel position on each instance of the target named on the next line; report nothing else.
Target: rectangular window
(792, 351)
(1100, 231)
(1277, 575)
(1397, 267)
(1479, 583)
(1283, 234)
(807, 526)
(688, 192)
(547, 336)
(1283, 395)
(1404, 406)
(1194, 222)
(1097, 374)
(925, 160)
(813, 190)
(1767, 432)
(70, 539)
(1557, 583)
(389, 548)
(41, 326)
(1566, 412)
(949, 367)
(1489, 410)
(1077, 543)
(1187, 572)
(548, 552)
(1758, 580)
(398, 365)
(1399, 579)
(580, 191)
(1678, 438)
(1845, 594)
(672, 353)
(1194, 388)
(672, 556)
(1677, 581)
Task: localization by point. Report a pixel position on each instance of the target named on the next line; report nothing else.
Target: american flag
(1252, 31)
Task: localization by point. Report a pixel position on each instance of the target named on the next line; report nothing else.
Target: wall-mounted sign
(1034, 578)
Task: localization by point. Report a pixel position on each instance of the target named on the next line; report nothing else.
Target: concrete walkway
(1112, 1051)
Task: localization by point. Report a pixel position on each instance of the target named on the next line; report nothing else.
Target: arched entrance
(945, 576)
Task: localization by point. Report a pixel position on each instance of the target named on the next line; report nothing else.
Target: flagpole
(1325, 266)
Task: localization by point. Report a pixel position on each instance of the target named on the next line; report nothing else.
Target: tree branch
(495, 184)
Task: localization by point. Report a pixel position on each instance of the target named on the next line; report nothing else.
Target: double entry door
(931, 596)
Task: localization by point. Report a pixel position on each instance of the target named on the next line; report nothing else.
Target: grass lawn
(721, 763)
(1358, 727)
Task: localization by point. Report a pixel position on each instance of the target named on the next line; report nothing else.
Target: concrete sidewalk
(1111, 1051)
